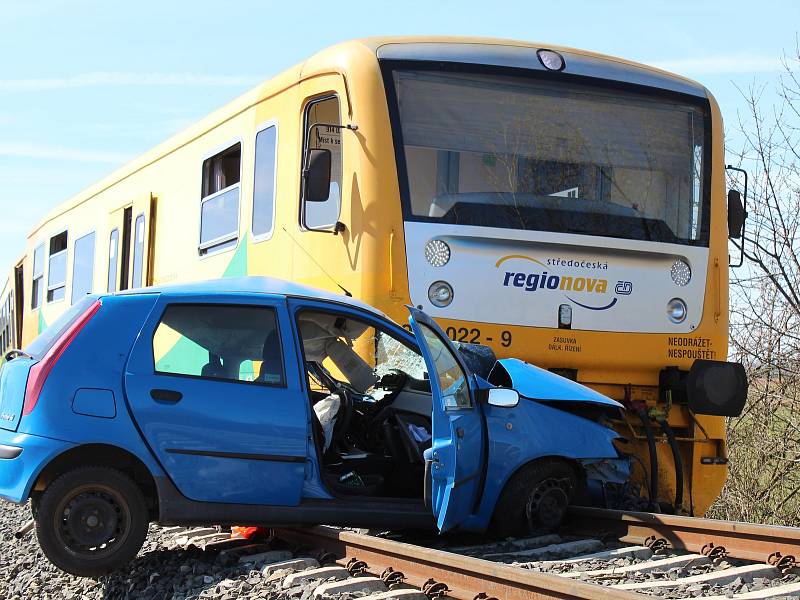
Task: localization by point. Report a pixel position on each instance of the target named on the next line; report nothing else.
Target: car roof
(251, 285)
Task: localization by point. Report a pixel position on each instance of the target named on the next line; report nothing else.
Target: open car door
(455, 463)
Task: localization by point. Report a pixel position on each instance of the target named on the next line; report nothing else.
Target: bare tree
(764, 443)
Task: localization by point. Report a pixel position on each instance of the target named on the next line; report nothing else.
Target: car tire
(91, 520)
(535, 499)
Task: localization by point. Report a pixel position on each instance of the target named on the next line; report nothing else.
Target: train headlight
(680, 272)
(440, 293)
(676, 310)
(550, 59)
(437, 253)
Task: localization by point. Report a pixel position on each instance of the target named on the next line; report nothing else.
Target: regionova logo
(543, 280)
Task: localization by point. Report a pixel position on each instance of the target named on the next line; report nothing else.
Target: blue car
(257, 401)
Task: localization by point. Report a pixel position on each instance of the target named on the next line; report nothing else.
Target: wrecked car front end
(555, 418)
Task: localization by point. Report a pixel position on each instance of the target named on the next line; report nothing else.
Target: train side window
(38, 277)
(324, 215)
(138, 251)
(83, 267)
(113, 248)
(264, 182)
(57, 268)
(219, 205)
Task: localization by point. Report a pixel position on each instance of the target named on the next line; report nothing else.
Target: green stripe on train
(186, 357)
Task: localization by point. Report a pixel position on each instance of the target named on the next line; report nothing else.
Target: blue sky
(86, 85)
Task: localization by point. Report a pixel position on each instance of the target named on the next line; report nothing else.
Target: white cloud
(39, 151)
(105, 78)
(720, 65)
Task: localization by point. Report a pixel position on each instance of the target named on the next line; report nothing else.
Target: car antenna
(321, 268)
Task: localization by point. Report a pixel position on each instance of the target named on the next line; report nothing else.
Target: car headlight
(437, 253)
(676, 310)
(440, 293)
(680, 272)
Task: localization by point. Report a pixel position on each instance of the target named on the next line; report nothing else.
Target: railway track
(602, 554)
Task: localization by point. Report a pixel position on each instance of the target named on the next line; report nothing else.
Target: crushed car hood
(539, 384)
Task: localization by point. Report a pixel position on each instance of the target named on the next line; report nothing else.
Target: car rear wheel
(91, 521)
(535, 499)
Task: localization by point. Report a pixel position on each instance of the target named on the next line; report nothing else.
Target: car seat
(406, 451)
(271, 370)
(213, 368)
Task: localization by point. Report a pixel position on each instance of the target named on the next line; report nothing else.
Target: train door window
(264, 182)
(138, 251)
(57, 268)
(319, 117)
(219, 205)
(38, 277)
(19, 303)
(83, 267)
(11, 313)
(125, 250)
(113, 248)
(4, 321)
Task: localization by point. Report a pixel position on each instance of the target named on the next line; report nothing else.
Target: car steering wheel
(395, 381)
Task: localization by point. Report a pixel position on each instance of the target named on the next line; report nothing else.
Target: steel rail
(465, 578)
(747, 541)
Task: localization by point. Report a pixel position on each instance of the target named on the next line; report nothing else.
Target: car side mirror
(503, 397)
(736, 214)
(317, 175)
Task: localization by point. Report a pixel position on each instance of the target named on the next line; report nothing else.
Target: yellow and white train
(559, 206)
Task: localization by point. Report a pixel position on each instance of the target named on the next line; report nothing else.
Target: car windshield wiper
(16, 353)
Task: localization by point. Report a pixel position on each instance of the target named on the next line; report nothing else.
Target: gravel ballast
(255, 571)
(157, 573)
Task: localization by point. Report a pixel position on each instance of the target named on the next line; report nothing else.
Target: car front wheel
(536, 499)
(91, 520)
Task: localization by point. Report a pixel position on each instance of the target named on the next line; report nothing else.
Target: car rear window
(39, 347)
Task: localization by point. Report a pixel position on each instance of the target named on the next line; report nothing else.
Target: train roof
(337, 58)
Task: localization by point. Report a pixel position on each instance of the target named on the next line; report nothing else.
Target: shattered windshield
(524, 153)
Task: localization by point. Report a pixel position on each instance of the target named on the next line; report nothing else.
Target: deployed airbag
(326, 411)
(358, 372)
(325, 336)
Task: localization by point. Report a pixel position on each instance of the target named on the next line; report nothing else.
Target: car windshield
(531, 154)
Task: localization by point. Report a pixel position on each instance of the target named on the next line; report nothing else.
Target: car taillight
(39, 372)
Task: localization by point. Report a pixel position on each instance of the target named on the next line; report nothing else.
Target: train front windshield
(530, 153)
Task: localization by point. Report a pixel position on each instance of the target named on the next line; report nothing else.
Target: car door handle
(166, 396)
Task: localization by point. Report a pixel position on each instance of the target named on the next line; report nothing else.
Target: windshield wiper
(16, 353)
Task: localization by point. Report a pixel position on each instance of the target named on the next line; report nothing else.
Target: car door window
(452, 379)
(228, 342)
(355, 351)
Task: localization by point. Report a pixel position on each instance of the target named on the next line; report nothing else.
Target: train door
(19, 303)
(322, 130)
(130, 245)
